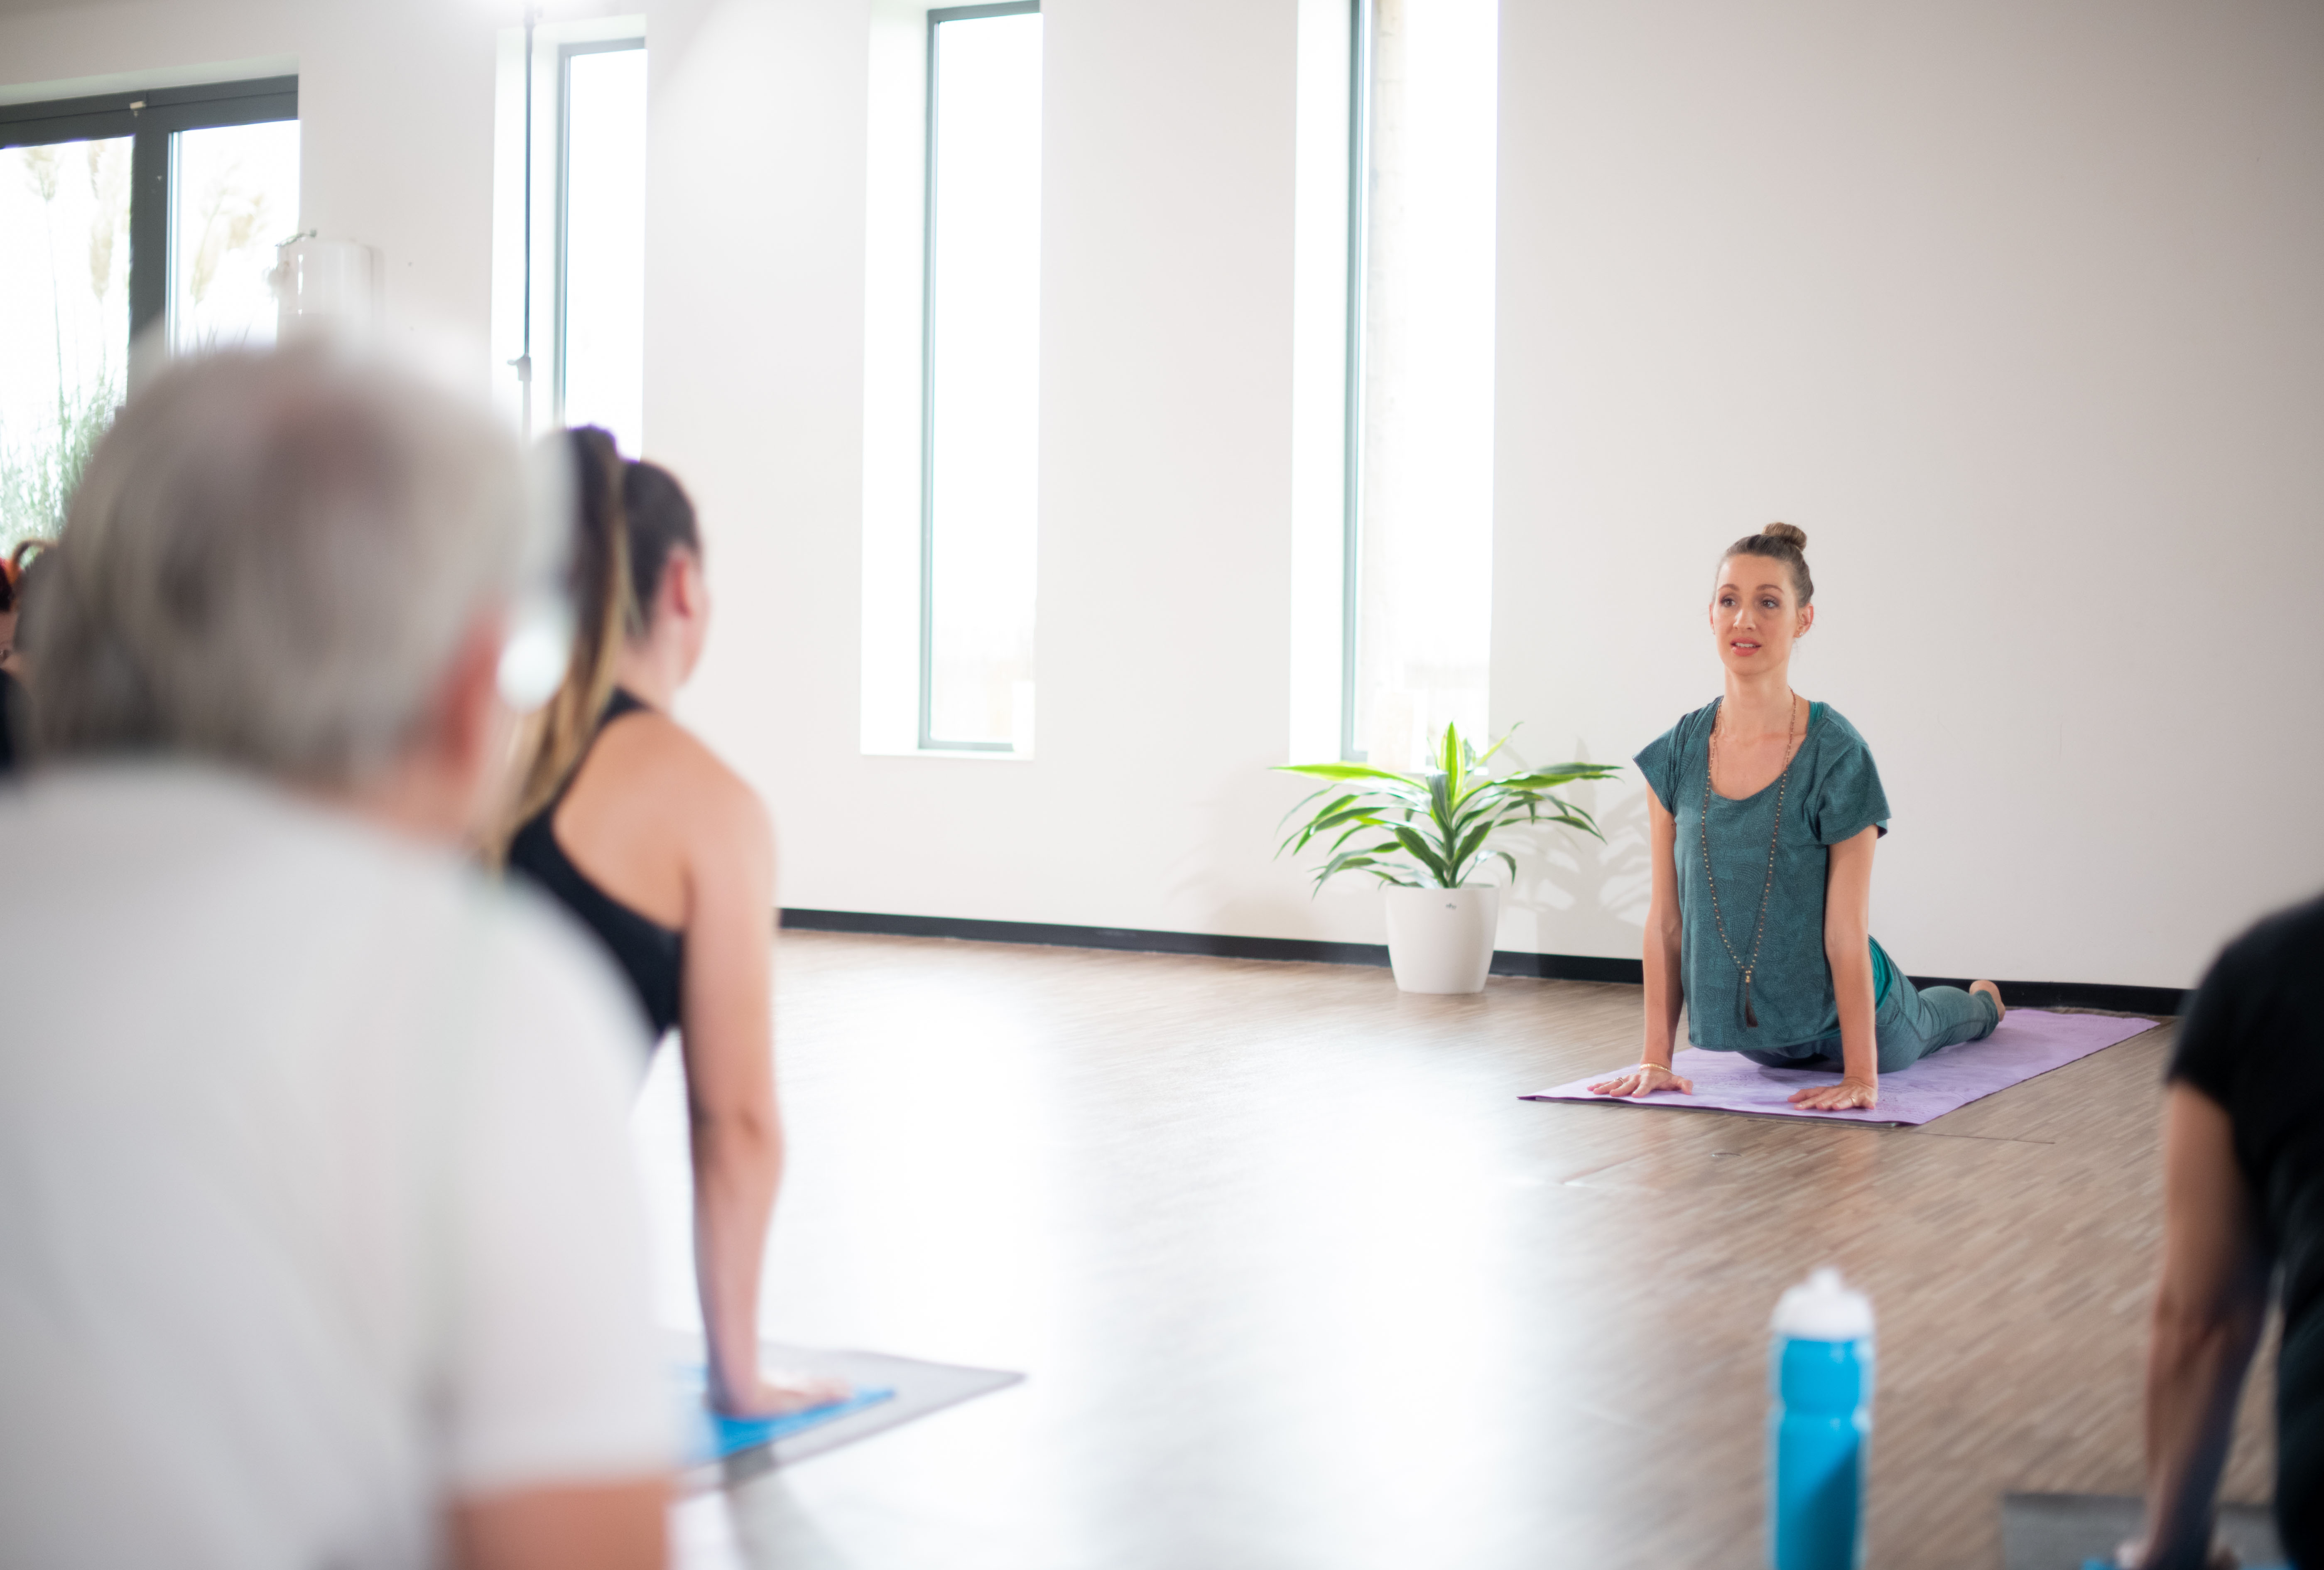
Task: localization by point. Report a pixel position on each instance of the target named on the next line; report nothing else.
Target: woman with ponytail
(1763, 813)
(667, 856)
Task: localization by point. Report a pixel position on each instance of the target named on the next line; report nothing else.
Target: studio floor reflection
(1299, 1282)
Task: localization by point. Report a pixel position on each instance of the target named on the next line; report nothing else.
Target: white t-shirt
(316, 1201)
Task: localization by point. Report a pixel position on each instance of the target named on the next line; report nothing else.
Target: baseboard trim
(2161, 1001)
(1056, 935)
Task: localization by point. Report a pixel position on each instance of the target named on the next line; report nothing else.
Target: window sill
(964, 753)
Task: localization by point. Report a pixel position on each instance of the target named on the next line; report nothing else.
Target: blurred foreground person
(318, 1238)
(2243, 1162)
(667, 856)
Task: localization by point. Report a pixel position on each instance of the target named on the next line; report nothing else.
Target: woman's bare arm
(660, 824)
(2209, 1307)
(1666, 984)
(727, 1014)
(1848, 949)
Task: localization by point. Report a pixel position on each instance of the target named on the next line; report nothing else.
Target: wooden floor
(1299, 1282)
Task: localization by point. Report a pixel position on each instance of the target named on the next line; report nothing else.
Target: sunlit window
(601, 256)
(64, 321)
(234, 196)
(983, 387)
(1417, 621)
(208, 178)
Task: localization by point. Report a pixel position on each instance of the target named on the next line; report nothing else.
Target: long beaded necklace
(1783, 785)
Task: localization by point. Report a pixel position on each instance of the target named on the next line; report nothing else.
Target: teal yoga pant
(2299, 1441)
(1911, 1024)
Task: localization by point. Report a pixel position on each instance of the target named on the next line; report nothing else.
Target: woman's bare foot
(2001, 1009)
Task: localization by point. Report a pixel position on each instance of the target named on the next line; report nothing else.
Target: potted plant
(1424, 835)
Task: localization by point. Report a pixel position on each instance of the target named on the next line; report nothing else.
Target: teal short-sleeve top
(1834, 795)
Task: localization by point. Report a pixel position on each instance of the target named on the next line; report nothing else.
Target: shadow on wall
(1241, 826)
(1573, 895)
(1576, 894)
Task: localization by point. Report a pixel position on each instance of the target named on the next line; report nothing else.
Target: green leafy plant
(1438, 824)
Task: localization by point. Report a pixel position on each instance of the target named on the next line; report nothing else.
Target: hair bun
(1797, 539)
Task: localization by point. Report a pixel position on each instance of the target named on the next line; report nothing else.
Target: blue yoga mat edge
(717, 1435)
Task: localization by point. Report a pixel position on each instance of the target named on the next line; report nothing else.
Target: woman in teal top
(1766, 809)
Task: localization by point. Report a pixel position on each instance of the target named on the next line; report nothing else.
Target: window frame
(1361, 23)
(928, 739)
(561, 220)
(1357, 434)
(151, 118)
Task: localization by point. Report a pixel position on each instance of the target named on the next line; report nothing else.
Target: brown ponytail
(1779, 542)
(604, 613)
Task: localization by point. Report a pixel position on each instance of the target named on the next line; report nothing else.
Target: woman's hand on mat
(781, 1393)
(1644, 1079)
(1848, 1095)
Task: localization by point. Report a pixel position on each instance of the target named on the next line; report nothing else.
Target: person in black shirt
(2243, 1196)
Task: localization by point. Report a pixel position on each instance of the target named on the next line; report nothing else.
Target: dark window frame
(151, 117)
(928, 741)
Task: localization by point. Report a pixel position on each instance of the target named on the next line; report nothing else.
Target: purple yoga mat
(2030, 1042)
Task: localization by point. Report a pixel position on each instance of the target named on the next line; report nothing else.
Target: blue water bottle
(1819, 1425)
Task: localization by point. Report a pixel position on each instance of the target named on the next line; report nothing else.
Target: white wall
(2018, 309)
(2014, 310)
(2013, 307)
(1163, 645)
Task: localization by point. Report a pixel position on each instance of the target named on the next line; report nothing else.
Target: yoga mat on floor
(2027, 1042)
(891, 1391)
(2066, 1531)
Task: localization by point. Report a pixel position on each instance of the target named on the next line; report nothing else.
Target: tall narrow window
(981, 391)
(64, 321)
(600, 365)
(1417, 620)
(118, 212)
(233, 196)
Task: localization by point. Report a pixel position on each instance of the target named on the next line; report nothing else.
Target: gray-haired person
(319, 1237)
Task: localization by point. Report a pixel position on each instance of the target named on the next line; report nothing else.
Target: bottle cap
(1821, 1308)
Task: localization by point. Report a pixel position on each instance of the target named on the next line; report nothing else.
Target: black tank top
(651, 955)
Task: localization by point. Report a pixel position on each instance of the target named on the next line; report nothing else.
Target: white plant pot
(1441, 940)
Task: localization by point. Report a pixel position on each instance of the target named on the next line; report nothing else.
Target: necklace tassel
(1744, 967)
